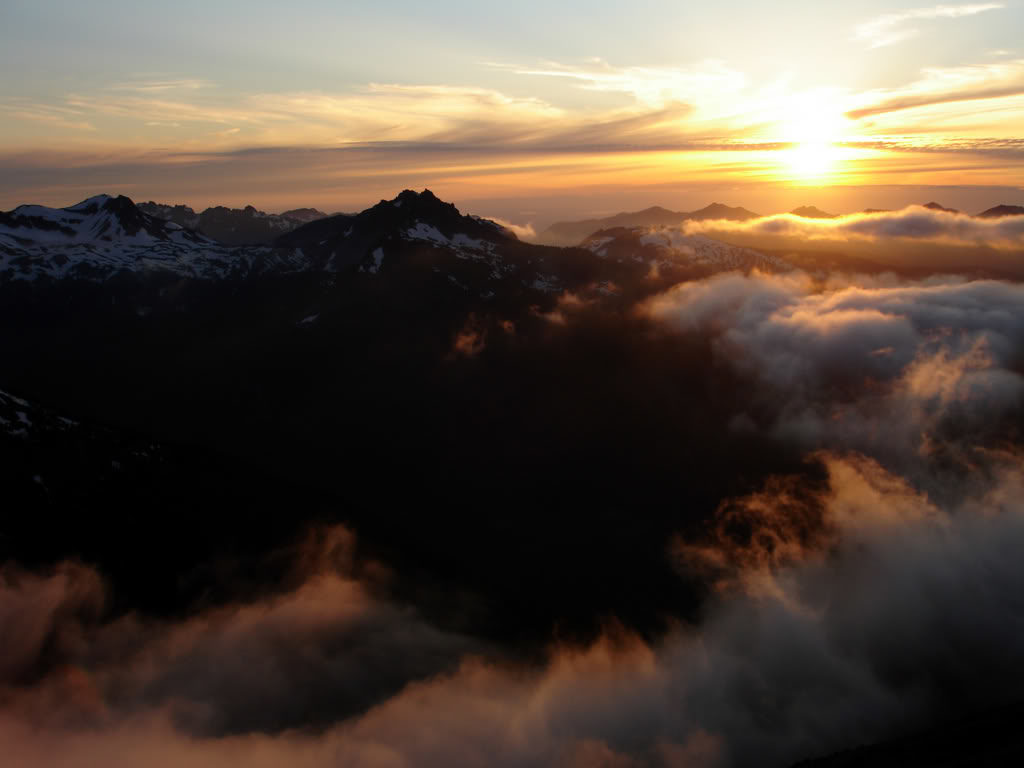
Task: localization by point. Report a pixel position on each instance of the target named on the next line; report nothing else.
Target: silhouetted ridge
(348, 240)
(234, 226)
(811, 212)
(722, 211)
(999, 211)
(573, 232)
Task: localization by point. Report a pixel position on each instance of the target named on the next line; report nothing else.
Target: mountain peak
(999, 211)
(811, 212)
(936, 207)
(416, 217)
(417, 205)
(89, 202)
(722, 211)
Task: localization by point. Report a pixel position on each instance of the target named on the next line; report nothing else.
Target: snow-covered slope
(104, 236)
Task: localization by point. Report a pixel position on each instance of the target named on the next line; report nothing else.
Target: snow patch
(427, 232)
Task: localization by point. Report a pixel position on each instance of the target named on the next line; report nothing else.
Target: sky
(529, 111)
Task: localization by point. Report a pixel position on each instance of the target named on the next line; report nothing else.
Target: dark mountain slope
(985, 739)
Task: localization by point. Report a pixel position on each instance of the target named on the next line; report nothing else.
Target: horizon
(980, 199)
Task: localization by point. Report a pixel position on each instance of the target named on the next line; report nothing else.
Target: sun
(812, 160)
(814, 128)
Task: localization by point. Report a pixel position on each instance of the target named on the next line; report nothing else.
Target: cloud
(55, 115)
(314, 655)
(907, 373)
(914, 223)
(945, 85)
(157, 85)
(651, 86)
(910, 612)
(522, 231)
(888, 28)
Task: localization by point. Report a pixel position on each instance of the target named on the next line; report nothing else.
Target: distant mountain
(668, 253)
(810, 212)
(234, 226)
(304, 215)
(104, 236)
(1002, 210)
(720, 211)
(573, 232)
(936, 207)
(181, 215)
(413, 234)
(97, 220)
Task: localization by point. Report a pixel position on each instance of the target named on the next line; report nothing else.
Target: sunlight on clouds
(704, 122)
(890, 28)
(945, 86)
(709, 81)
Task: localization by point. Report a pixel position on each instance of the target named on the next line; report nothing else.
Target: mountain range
(233, 226)
(106, 236)
(573, 232)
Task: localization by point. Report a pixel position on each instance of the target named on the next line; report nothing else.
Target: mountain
(810, 212)
(234, 226)
(1002, 210)
(181, 215)
(412, 235)
(417, 231)
(573, 232)
(363, 240)
(670, 254)
(304, 215)
(99, 219)
(104, 235)
(937, 207)
(720, 211)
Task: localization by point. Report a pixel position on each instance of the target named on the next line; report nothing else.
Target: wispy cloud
(946, 85)
(891, 28)
(648, 85)
(157, 86)
(52, 114)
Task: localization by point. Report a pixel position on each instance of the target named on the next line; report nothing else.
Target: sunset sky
(526, 110)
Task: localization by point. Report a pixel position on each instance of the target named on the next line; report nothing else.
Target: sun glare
(814, 127)
(812, 160)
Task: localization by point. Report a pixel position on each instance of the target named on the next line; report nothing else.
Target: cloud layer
(915, 223)
(911, 612)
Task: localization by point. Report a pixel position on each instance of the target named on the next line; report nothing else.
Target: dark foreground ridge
(986, 739)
